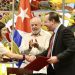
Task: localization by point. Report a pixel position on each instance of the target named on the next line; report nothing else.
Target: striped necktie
(50, 45)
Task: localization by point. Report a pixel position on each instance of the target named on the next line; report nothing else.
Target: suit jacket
(64, 49)
(72, 28)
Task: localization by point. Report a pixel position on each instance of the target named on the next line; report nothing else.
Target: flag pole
(12, 32)
(63, 9)
(13, 11)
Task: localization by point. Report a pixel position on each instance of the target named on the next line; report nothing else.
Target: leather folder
(37, 64)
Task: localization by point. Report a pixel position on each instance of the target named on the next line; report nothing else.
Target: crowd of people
(59, 46)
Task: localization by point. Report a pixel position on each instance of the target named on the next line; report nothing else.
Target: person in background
(4, 51)
(62, 52)
(35, 42)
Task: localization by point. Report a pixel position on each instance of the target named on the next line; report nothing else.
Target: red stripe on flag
(24, 16)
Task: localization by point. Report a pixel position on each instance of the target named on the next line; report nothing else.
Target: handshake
(53, 59)
(30, 58)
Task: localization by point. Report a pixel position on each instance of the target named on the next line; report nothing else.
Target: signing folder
(37, 64)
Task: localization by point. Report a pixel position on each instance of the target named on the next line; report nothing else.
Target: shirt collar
(56, 29)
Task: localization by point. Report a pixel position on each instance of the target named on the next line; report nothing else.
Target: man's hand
(36, 44)
(31, 44)
(53, 60)
(30, 58)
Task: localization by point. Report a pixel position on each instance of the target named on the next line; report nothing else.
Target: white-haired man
(35, 42)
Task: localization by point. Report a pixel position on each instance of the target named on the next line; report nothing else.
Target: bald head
(35, 24)
(47, 17)
(35, 20)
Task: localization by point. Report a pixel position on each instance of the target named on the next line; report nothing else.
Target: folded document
(37, 64)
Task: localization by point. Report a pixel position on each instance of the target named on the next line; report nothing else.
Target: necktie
(50, 45)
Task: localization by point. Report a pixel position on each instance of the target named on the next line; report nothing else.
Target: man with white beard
(35, 42)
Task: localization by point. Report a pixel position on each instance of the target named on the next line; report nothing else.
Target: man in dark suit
(62, 52)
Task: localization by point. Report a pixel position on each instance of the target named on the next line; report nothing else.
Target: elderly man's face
(36, 26)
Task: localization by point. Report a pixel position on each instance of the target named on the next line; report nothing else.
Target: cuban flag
(23, 22)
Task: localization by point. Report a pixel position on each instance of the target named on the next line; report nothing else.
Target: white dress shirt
(43, 41)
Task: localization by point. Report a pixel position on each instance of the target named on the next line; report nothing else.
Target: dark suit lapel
(57, 36)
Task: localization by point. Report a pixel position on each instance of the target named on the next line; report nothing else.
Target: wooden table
(18, 71)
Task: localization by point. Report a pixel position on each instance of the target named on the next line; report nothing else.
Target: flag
(23, 22)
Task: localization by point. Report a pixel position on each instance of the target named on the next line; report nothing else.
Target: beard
(35, 32)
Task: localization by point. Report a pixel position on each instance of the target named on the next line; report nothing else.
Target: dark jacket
(64, 49)
(72, 28)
